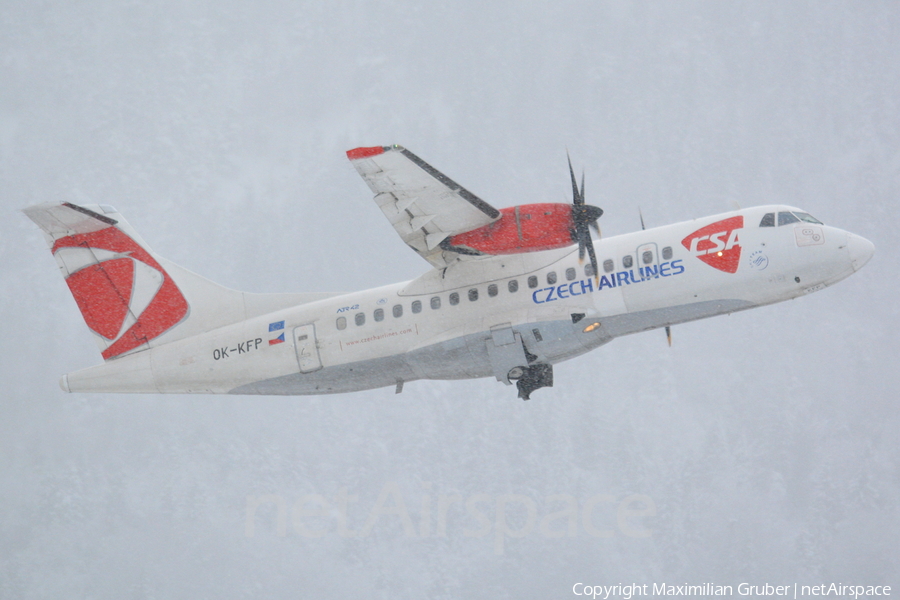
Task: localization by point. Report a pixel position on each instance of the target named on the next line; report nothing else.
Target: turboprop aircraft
(508, 294)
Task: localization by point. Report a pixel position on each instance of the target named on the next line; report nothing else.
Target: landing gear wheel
(535, 377)
(516, 373)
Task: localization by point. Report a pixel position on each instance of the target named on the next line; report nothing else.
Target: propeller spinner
(584, 217)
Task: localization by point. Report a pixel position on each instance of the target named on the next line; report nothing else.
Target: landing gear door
(307, 351)
(505, 351)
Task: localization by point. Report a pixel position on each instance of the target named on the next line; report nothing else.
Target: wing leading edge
(424, 205)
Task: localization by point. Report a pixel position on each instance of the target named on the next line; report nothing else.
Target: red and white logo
(717, 244)
(125, 296)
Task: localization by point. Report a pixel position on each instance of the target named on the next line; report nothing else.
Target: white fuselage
(475, 318)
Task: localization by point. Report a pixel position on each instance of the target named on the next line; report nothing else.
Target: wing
(424, 205)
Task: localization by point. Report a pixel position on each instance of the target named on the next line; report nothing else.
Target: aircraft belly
(635, 322)
(350, 377)
(463, 357)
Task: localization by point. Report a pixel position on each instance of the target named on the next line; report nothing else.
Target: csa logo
(125, 296)
(717, 244)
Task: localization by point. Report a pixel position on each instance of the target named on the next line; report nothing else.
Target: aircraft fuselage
(486, 318)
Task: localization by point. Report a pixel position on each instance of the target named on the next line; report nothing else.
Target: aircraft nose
(861, 250)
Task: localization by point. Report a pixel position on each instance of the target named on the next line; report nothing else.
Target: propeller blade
(576, 197)
(582, 187)
(642, 218)
(584, 217)
(669, 335)
(590, 249)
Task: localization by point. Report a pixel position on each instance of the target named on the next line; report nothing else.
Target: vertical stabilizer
(130, 298)
(126, 297)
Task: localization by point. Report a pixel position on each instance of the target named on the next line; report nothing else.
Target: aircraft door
(505, 351)
(306, 347)
(648, 261)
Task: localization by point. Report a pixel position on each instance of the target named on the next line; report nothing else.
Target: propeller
(668, 327)
(584, 218)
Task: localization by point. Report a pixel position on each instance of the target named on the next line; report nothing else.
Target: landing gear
(531, 378)
(516, 373)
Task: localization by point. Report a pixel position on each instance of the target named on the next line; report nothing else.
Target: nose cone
(861, 250)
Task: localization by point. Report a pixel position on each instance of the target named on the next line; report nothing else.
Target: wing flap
(423, 205)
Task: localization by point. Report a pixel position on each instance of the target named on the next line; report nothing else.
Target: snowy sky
(765, 441)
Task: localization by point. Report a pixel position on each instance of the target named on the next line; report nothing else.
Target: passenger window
(513, 286)
(379, 314)
(492, 290)
(786, 218)
(417, 306)
(436, 302)
(341, 323)
(608, 265)
(589, 270)
(627, 261)
(360, 318)
(454, 299)
(398, 311)
(647, 257)
(667, 253)
(532, 281)
(768, 220)
(570, 273)
(473, 294)
(551, 277)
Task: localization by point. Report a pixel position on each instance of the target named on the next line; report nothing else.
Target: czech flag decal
(279, 326)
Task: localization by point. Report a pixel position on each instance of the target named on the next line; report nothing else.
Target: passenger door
(307, 349)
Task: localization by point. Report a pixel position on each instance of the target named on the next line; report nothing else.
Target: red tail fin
(125, 296)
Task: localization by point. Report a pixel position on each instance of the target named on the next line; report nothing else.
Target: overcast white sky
(766, 440)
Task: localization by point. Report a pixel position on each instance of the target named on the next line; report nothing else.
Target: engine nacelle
(525, 228)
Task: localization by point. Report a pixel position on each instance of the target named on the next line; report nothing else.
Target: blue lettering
(677, 266)
(622, 277)
(663, 268)
(589, 286)
(560, 290)
(534, 296)
(572, 289)
(650, 271)
(633, 278)
(550, 297)
(604, 282)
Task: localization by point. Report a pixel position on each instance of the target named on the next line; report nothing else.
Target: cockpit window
(808, 218)
(784, 218)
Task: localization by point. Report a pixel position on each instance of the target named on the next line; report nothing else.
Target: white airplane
(508, 294)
